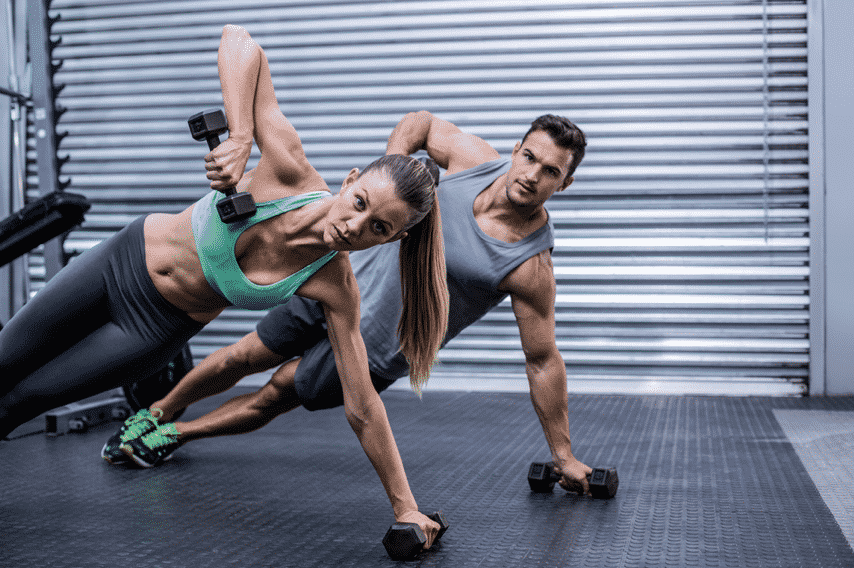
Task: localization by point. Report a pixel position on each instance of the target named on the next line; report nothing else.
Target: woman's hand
(226, 163)
(429, 526)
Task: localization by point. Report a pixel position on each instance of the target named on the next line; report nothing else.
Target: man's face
(539, 168)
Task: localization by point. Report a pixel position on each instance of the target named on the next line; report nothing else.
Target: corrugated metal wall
(682, 247)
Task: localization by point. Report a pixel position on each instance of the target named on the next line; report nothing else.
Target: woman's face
(366, 212)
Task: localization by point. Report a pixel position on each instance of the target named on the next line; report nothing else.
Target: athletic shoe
(153, 448)
(137, 425)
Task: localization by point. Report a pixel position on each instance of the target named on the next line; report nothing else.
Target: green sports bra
(215, 243)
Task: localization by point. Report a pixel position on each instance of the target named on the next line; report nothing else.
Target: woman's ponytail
(424, 286)
(423, 279)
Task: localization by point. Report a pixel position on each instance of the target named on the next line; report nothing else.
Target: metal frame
(5, 158)
(815, 39)
(26, 33)
(14, 276)
(44, 122)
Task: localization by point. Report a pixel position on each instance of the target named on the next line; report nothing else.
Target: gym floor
(703, 482)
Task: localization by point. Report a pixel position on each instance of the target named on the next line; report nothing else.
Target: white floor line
(824, 440)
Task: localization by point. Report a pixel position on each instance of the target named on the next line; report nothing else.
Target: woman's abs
(172, 262)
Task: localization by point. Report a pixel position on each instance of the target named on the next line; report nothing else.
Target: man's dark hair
(565, 134)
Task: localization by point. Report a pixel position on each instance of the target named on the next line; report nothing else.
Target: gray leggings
(98, 324)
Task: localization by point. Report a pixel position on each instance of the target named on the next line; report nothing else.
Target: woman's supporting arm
(365, 410)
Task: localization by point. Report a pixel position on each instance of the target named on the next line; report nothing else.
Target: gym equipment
(603, 480)
(145, 392)
(208, 125)
(40, 221)
(45, 63)
(403, 541)
(79, 417)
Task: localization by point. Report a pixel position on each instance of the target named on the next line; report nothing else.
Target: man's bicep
(532, 296)
(456, 150)
(536, 326)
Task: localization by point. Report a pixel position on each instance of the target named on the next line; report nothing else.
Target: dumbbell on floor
(603, 481)
(405, 540)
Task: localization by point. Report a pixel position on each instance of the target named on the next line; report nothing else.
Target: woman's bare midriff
(170, 255)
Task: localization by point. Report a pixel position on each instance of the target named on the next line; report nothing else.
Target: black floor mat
(703, 482)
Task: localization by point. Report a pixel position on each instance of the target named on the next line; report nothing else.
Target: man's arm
(450, 147)
(532, 291)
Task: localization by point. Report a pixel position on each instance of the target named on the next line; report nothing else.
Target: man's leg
(310, 381)
(247, 412)
(217, 373)
(286, 331)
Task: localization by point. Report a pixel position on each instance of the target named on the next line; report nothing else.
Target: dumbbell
(603, 481)
(404, 540)
(208, 125)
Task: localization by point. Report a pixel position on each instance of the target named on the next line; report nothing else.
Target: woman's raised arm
(253, 112)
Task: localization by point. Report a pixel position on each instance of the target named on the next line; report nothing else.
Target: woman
(124, 309)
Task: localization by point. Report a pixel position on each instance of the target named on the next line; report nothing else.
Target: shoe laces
(138, 424)
(162, 436)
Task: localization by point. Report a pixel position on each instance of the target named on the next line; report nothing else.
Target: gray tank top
(476, 264)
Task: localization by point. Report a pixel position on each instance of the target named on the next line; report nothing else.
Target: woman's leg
(70, 307)
(102, 360)
(98, 324)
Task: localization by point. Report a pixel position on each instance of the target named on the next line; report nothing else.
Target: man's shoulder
(469, 152)
(496, 165)
(533, 277)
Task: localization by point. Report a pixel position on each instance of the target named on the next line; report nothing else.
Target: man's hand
(429, 526)
(573, 475)
(225, 163)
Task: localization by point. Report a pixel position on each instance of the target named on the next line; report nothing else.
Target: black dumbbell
(603, 481)
(208, 125)
(403, 541)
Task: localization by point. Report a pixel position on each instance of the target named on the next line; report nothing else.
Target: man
(507, 251)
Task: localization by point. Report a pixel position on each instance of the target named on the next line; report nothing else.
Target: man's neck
(498, 217)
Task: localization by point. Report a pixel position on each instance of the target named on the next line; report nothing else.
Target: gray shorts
(298, 329)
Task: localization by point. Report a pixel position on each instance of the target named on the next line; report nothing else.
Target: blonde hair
(424, 285)
(423, 276)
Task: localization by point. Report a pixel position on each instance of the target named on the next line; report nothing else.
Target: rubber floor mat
(703, 482)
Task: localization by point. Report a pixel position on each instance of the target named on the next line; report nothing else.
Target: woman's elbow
(234, 29)
(358, 418)
(237, 38)
(360, 414)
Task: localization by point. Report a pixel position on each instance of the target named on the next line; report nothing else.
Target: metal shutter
(682, 247)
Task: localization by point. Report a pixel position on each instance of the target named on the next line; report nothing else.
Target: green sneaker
(137, 425)
(153, 448)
